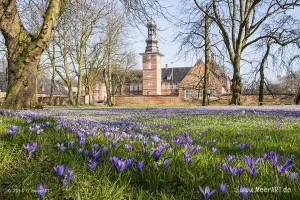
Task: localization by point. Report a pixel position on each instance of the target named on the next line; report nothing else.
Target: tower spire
(152, 37)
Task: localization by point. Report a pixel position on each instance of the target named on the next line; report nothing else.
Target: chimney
(166, 66)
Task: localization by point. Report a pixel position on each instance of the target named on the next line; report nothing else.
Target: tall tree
(205, 99)
(240, 24)
(24, 50)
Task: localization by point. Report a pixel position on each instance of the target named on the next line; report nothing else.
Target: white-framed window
(135, 87)
(131, 87)
(187, 93)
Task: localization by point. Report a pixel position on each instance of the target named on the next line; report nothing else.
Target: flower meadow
(173, 153)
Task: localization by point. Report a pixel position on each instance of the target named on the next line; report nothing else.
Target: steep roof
(178, 74)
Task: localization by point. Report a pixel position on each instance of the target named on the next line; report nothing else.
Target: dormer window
(169, 77)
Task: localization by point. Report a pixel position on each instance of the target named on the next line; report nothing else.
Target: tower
(151, 63)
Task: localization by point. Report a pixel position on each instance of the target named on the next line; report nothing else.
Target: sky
(167, 32)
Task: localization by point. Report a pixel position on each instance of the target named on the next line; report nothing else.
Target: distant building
(154, 79)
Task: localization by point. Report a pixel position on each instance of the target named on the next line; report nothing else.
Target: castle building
(152, 63)
(185, 81)
(155, 80)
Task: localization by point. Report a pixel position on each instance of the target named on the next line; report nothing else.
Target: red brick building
(185, 82)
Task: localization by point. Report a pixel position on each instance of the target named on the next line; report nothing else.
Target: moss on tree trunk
(24, 51)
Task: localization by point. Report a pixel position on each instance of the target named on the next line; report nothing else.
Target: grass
(19, 174)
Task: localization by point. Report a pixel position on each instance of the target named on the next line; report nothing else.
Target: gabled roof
(178, 74)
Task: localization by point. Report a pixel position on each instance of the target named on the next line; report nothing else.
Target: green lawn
(19, 174)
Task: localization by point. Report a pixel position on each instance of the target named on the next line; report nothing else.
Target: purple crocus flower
(140, 165)
(82, 140)
(12, 130)
(288, 164)
(223, 166)
(104, 149)
(244, 191)
(243, 145)
(231, 158)
(224, 188)
(96, 154)
(253, 171)
(236, 170)
(59, 170)
(155, 139)
(166, 162)
(121, 164)
(95, 145)
(30, 147)
(207, 193)
(41, 190)
(196, 148)
(187, 157)
(92, 164)
(239, 170)
(250, 161)
(157, 154)
(114, 143)
(232, 170)
(68, 176)
(71, 143)
(274, 157)
(61, 146)
(80, 150)
(128, 147)
(292, 175)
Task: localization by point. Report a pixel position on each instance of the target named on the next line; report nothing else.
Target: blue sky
(166, 34)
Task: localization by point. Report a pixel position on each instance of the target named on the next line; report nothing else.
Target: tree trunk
(79, 85)
(21, 92)
(90, 92)
(297, 99)
(262, 76)
(53, 74)
(237, 85)
(206, 66)
(24, 52)
(70, 94)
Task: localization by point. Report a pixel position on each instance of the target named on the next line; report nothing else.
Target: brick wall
(253, 100)
(162, 100)
(151, 74)
(223, 100)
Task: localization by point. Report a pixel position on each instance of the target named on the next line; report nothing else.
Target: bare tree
(25, 48)
(240, 24)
